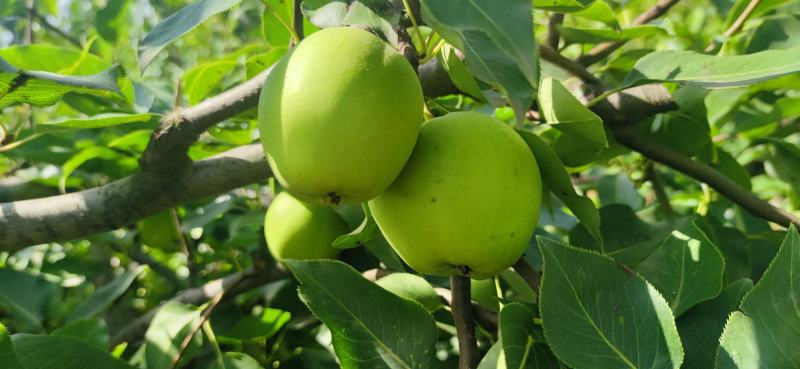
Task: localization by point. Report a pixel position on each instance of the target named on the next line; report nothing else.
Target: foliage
(676, 252)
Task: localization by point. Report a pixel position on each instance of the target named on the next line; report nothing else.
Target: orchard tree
(399, 184)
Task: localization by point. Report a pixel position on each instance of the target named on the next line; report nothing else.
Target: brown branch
(166, 153)
(651, 175)
(570, 66)
(122, 202)
(656, 151)
(44, 23)
(604, 49)
(742, 18)
(465, 326)
(203, 319)
(529, 274)
(297, 19)
(553, 36)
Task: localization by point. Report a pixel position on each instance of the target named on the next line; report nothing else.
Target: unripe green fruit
(339, 116)
(299, 230)
(467, 201)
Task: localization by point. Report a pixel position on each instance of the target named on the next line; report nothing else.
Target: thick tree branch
(604, 49)
(117, 204)
(166, 152)
(553, 36)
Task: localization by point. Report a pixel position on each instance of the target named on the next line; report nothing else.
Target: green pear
(339, 116)
(299, 230)
(466, 202)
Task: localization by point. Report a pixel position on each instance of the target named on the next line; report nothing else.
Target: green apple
(339, 116)
(299, 230)
(468, 200)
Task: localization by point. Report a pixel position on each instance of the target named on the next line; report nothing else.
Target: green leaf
(710, 71)
(371, 327)
(598, 313)
(59, 352)
(685, 130)
(760, 335)
(177, 25)
(493, 359)
(93, 152)
(556, 179)
(365, 232)
(562, 6)
(382, 16)
(701, 326)
(236, 360)
(782, 163)
(27, 298)
(202, 79)
(259, 62)
(497, 42)
(8, 355)
(93, 332)
(412, 287)
(458, 73)
(97, 121)
(562, 110)
(111, 21)
(276, 22)
(104, 297)
(687, 268)
(599, 11)
(516, 331)
(575, 35)
(781, 32)
(267, 325)
(170, 326)
(46, 88)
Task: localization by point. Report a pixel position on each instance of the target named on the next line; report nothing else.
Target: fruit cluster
(341, 121)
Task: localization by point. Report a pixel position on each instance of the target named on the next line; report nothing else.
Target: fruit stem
(465, 326)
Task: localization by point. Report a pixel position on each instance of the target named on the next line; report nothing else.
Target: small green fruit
(299, 230)
(339, 116)
(467, 201)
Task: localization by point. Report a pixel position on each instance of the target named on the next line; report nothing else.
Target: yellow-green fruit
(339, 116)
(468, 199)
(299, 230)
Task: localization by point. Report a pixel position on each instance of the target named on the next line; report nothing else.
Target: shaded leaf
(597, 313)
(163, 339)
(371, 327)
(701, 326)
(502, 54)
(687, 268)
(93, 332)
(8, 355)
(556, 179)
(97, 121)
(104, 296)
(575, 35)
(177, 25)
(60, 352)
(365, 232)
(518, 339)
(26, 297)
(768, 324)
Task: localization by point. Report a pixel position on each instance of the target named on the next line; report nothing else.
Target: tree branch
(529, 274)
(568, 65)
(553, 36)
(465, 326)
(604, 49)
(44, 23)
(656, 151)
(117, 204)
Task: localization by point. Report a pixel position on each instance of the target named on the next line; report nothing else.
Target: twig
(203, 318)
(529, 274)
(651, 174)
(553, 36)
(604, 49)
(569, 65)
(44, 23)
(189, 250)
(465, 326)
(297, 20)
(742, 18)
(244, 282)
(736, 24)
(28, 31)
